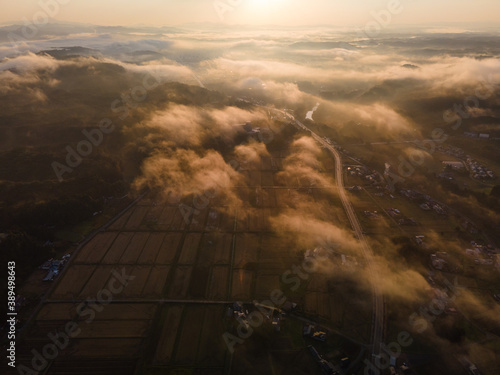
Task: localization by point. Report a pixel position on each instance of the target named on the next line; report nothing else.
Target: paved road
(378, 302)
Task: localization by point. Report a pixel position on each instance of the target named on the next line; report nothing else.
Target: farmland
(184, 274)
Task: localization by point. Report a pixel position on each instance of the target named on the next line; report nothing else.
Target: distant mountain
(68, 52)
(323, 45)
(410, 66)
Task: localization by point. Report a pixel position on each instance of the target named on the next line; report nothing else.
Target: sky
(253, 12)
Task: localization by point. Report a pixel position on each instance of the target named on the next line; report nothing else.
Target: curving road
(378, 302)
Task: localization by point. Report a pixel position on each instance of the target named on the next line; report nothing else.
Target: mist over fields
(170, 102)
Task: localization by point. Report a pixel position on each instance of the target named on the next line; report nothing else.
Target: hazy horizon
(254, 12)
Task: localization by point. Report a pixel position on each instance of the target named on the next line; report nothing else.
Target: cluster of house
(479, 171)
(477, 135)
(372, 215)
(439, 260)
(483, 255)
(429, 204)
(395, 213)
(371, 175)
(442, 261)
(273, 314)
(355, 188)
(413, 195)
(420, 240)
(317, 334)
(239, 313)
(54, 267)
(403, 369)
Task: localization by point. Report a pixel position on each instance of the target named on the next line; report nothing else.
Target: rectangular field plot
(57, 311)
(105, 348)
(254, 178)
(199, 282)
(151, 248)
(267, 179)
(227, 220)
(190, 248)
(166, 217)
(168, 249)
(121, 221)
(166, 344)
(114, 329)
(277, 163)
(180, 282)
(287, 197)
(277, 251)
(138, 215)
(317, 283)
(279, 179)
(117, 249)
(75, 364)
(72, 282)
(97, 282)
(241, 287)
(179, 222)
(317, 303)
(189, 337)
(124, 311)
(218, 283)
(269, 197)
(211, 350)
(215, 249)
(246, 250)
(41, 328)
(252, 219)
(266, 164)
(156, 282)
(328, 196)
(95, 249)
(134, 287)
(134, 249)
(265, 284)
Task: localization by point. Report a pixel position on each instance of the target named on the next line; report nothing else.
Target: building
(314, 353)
(319, 336)
(308, 330)
(327, 367)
